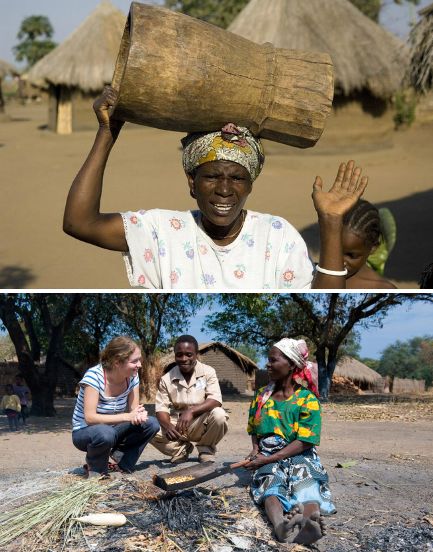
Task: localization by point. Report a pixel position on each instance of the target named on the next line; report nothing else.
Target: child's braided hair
(364, 221)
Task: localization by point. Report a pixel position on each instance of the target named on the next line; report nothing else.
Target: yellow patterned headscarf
(231, 143)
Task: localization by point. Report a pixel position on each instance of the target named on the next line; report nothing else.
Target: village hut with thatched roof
(6, 70)
(420, 71)
(369, 62)
(363, 376)
(77, 70)
(235, 371)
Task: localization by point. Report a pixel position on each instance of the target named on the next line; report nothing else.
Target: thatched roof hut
(365, 56)
(78, 69)
(6, 69)
(356, 371)
(420, 71)
(368, 61)
(235, 371)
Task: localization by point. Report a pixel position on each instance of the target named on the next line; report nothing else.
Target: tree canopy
(326, 320)
(409, 359)
(35, 39)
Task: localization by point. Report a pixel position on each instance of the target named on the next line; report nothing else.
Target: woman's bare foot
(293, 518)
(312, 529)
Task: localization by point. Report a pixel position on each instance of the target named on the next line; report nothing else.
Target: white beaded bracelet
(331, 272)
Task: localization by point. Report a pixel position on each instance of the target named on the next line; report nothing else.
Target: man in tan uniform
(188, 407)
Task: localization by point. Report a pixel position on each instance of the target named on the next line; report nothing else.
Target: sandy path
(37, 168)
(385, 495)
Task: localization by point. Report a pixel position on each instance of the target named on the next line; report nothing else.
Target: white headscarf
(296, 350)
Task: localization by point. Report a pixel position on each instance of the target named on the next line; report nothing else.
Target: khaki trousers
(205, 431)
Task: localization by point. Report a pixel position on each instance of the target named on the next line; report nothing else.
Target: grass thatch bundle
(53, 516)
(420, 73)
(365, 56)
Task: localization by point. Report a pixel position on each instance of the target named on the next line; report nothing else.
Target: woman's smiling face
(221, 189)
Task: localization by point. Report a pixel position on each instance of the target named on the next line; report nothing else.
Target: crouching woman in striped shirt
(108, 421)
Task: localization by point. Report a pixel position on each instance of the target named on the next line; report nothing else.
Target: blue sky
(401, 324)
(66, 15)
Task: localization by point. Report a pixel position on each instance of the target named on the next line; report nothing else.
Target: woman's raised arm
(82, 218)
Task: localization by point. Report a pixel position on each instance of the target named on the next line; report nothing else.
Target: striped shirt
(106, 405)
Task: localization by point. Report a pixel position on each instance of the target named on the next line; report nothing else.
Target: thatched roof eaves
(365, 56)
(426, 11)
(86, 59)
(355, 370)
(420, 71)
(7, 69)
(245, 363)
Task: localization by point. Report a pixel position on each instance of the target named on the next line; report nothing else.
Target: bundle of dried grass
(52, 516)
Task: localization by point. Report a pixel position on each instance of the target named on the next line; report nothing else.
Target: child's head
(426, 280)
(361, 235)
(9, 390)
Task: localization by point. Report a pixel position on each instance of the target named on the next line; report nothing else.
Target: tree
(411, 359)
(372, 8)
(153, 319)
(35, 34)
(326, 319)
(249, 351)
(217, 12)
(35, 323)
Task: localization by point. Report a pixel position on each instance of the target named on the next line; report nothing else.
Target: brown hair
(119, 348)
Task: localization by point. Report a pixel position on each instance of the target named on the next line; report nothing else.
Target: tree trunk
(43, 400)
(323, 377)
(330, 368)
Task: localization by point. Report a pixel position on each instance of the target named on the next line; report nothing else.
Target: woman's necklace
(230, 236)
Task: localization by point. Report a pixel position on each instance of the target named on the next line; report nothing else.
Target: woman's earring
(192, 193)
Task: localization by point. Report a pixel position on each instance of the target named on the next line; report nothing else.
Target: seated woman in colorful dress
(108, 420)
(284, 424)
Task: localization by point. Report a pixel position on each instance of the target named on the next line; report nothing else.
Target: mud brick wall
(232, 379)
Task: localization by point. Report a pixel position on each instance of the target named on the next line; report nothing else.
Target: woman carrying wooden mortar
(222, 245)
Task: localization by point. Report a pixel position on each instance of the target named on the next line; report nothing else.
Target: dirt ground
(384, 500)
(37, 168)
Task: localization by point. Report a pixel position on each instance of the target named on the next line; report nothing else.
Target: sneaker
(206, 457)
(183, 455)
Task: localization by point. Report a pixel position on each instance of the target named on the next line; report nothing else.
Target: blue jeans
(124, 441)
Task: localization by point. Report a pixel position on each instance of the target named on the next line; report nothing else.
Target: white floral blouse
(169, 250)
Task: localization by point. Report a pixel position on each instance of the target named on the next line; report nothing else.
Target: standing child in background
(361, 236)
(11, 407)
(20, 388)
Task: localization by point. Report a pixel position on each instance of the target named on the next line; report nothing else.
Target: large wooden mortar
(175, 72)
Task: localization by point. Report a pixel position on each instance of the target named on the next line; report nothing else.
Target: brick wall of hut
(232, 379)
(8, 371)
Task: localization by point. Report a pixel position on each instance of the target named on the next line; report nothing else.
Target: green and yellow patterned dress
(300, 478)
